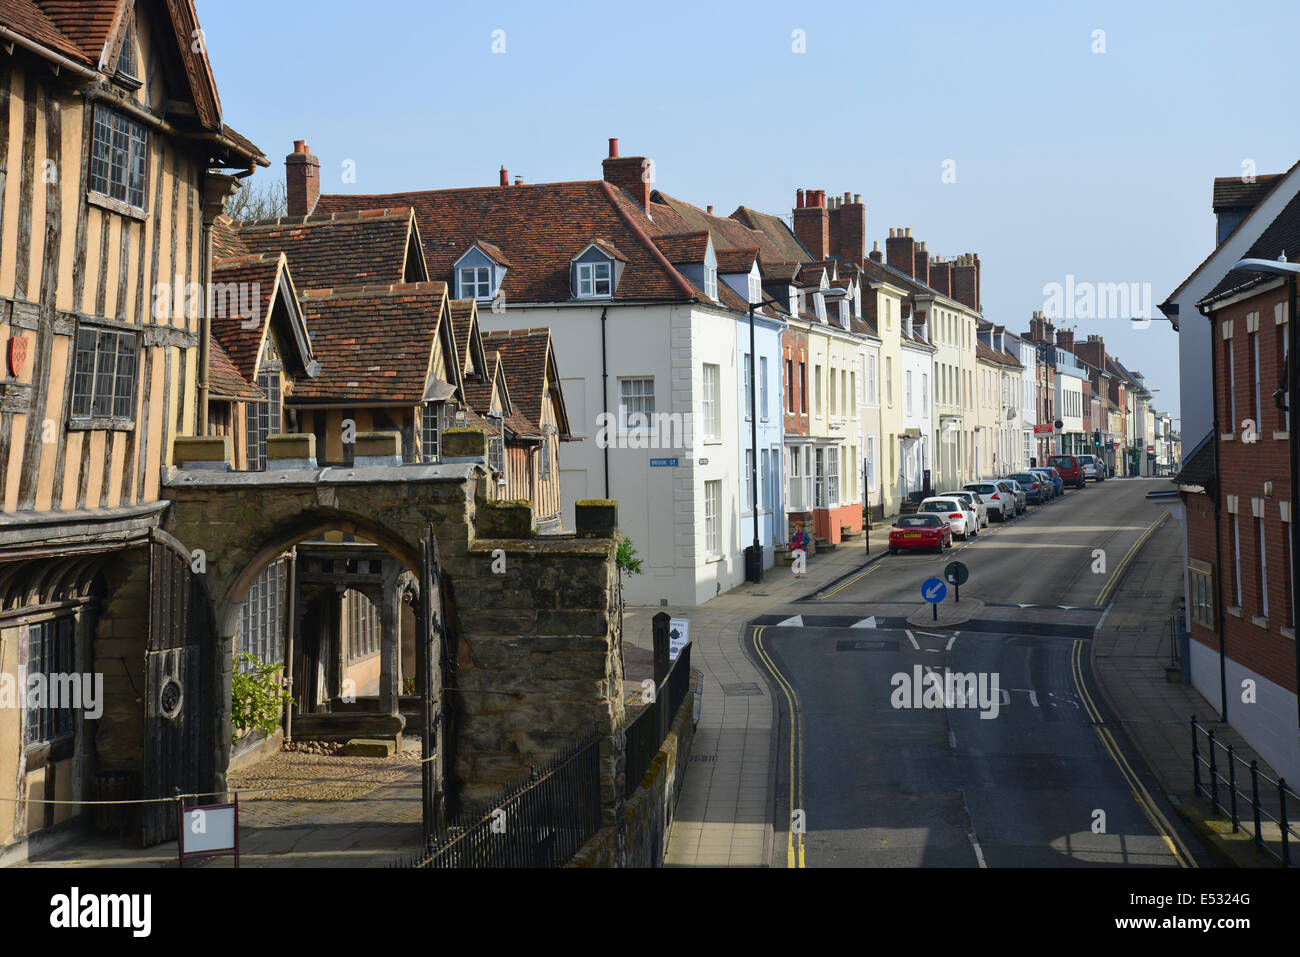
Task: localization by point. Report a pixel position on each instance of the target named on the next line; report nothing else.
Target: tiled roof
(479, 391)
(87, 23)
(811, 275)
(1198, 465)
(785, 273)
(373, 343)
(1282, 235)
(253, 281)
(727, 233)
(226, 241)
(776, 231)
(468, 336)
(527, 355)
(1231, 193)
(224, 380)
(493, 250)
(736, 260)
(28, 19)
(541, 228)
(684, 247)
(358, 248)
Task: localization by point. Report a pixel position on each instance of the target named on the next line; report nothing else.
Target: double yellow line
(1136, 787)
(1111, 582)
(845, 584)
(794, 842)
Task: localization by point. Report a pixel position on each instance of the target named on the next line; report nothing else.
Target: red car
(925, 530)
(1071, 469)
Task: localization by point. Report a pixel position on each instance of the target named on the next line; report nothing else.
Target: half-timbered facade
(111, 151)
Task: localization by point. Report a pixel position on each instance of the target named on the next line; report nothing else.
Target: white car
(958, 514)
(996, 501)
(1092, 469)
(976, 503)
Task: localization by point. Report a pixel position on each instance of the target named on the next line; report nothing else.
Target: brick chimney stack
(1065, 339)
(900, 250)
(966, 281)
(505, 177)
(628, 173)
(812, 224)
(921, 264)
(853, 229)
(941, 276)
(876, 255)
(1092, 352)
(301, 180)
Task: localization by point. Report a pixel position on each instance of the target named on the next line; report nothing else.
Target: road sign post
(934, 591)
(956, 574)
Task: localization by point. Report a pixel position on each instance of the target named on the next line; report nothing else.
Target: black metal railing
(646, 732)
(1278, 803)
(540, 822)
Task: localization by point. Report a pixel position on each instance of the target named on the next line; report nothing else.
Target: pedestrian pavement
(723, 817)
(1131, 652)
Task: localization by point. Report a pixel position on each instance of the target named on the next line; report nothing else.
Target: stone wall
(648, 813)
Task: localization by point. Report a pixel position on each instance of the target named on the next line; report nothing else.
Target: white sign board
(208, 829)
(679, 633)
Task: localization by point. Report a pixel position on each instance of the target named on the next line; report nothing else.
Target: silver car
(1092, 469)
(997, 501)
(976, 503)
(1013, 488)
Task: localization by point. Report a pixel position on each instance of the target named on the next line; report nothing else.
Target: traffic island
(950, 613)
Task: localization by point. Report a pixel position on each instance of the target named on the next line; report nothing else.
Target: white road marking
(793, 622)
(979, 854)
(952, 740)
(865, 623)
(912, 639)
(929, 634)
(950, 641)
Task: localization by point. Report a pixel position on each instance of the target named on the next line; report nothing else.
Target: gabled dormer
(594, 273)
(126, 54)
(479, 272)
(739, 269)
(692, 255)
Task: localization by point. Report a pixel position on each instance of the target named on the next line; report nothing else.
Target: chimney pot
(505, 177)
(613, 146)
(519, 181)
(848, 198)
(857, 198)
(300, 146)
(875, 245)
(798, 199)
(909, 232)
(710, 209)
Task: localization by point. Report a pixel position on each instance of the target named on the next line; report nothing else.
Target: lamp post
(1291, 271)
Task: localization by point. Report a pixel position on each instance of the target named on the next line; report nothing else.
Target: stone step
(348, 725)
(370, 748)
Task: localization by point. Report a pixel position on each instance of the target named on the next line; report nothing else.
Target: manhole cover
(741, 690)
(866, 646)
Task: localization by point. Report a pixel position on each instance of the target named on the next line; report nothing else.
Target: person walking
(799, 551)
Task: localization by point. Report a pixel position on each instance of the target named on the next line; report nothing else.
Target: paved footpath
(1130, 652)
(724, 816)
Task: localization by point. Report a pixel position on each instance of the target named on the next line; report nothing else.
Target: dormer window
(126, 58)
(595, 280)
(480, 272)
(711, 282)
(594, 272)
(475, 283)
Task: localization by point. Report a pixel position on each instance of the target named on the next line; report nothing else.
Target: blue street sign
(934, 590)
(663, 463)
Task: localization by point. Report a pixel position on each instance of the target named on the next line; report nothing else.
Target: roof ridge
(647, 242)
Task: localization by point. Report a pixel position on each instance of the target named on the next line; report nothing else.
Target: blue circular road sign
(934, 590)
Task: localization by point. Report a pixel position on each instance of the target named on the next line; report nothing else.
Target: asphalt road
(886, 758)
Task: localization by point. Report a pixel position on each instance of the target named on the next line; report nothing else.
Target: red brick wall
(1245, 469)
(795, 349)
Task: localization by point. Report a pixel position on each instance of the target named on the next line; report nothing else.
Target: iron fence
(1278, 801)
(540, 822)
(646, 732)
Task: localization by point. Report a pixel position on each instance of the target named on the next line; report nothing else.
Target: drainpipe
(604, 390)
(1218, 536)
(292, 605)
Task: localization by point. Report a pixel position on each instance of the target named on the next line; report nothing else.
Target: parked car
(997, 501)
(1049, 483)
(1057, 482)
(954, 510)
(975, 502)
(1017, 493)
(1033, 485)
(922, 530)
(1071, 469)
(1093, 467)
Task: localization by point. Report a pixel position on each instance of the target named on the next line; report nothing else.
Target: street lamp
(1290, 271)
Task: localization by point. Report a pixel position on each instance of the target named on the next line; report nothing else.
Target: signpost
(934, 591)
(956, 574)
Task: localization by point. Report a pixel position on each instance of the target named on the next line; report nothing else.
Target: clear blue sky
(1067, 161)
